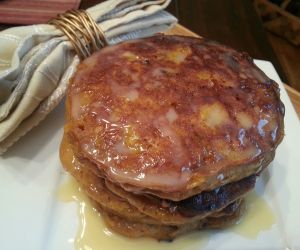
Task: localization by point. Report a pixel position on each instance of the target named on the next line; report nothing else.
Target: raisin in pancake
(174, 116)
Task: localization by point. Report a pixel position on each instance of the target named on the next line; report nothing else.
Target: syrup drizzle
(93, 234)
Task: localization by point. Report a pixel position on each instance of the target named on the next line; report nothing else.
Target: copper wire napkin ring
(82, 31)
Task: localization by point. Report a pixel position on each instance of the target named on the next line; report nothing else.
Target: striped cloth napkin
(33, 11)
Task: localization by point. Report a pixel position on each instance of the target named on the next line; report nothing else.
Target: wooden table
(293, 94)
(231, 22)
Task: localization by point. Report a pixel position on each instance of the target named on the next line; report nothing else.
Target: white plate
(31, 217)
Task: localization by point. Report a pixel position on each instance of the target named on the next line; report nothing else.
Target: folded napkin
(36, 62)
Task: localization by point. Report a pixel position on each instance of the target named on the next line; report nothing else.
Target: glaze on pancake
(174, 116)
(133, 218)
(146, 208)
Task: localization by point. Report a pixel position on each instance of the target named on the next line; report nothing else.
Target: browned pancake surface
(168, 232)
(174, 116)
(147, 208)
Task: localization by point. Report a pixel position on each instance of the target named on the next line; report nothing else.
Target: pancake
(126, 219)
(149, 209)
(162, 232)
(191, 209)
(174, 116)
(167, 134)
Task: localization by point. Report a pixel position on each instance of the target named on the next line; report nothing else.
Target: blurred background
(266, 29)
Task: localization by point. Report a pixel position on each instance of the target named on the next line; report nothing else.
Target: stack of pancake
(167, 134)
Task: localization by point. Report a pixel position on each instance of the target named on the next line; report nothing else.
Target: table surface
(232, 22)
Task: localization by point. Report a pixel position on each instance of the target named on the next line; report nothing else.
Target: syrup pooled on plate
(259, 217)
(93, 234)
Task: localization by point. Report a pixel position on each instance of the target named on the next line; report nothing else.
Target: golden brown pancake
(170, 133)
(174, 116)
(133, 229)
(147, 208)
(131, 220)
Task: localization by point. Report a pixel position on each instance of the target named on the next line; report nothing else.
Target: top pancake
(174, 116)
